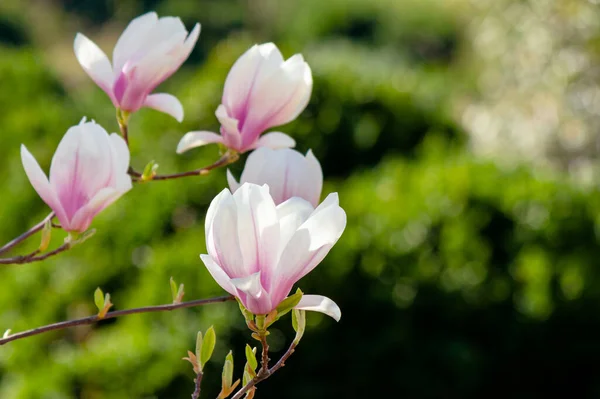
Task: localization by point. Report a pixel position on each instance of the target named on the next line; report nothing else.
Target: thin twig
(269, 373)
(30, 258)
(198, 382)
(27, 234)
(264, 367)
(111, 315)
(226, 159)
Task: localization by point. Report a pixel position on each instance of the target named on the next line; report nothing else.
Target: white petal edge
(322, 304)
(95, 63)
(167, 103)
(233, 184)
(275, 140)
(197, 139)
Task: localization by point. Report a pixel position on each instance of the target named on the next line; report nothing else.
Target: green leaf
(251, 357)
(210, 339)
(198, 344)
(288, 303)
(173, 289)
(149, 171)
(99, 299)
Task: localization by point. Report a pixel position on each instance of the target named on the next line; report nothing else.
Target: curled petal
(319, 303)
(275, 140)
(166, 103)
(197, 139)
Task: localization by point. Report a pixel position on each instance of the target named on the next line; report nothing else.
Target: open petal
(197, 139)
(218, 274)
(319, 303)
(297, 102)
(166, 103)
(95, 63)
(275, 140)
(312, 184)
(121, 153)
(258, 229)
(310, 243)
(132, 38)
(292, 213)
(190, 42)
(40, 183)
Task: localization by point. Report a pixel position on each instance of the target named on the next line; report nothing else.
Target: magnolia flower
(148, 52)
(261, 91)
(257, 251)
(287, 173)
(88, 173)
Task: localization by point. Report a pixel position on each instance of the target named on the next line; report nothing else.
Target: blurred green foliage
(456, 277)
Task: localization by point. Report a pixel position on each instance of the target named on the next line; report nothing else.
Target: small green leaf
(99, 299)
(227, 377)
(210, 339)
(149, 171)
(173, 289)
(251, 357)
(247, 378)
(198, 344)
(288, 303)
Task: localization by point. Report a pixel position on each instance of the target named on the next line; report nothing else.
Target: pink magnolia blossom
(258, 250)
(149, 51)
(88, 173)
(261, 91)
(287, 172)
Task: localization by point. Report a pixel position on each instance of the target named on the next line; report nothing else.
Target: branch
(264, 366)
(198, 382)
(263, 376)
(26, 235)
(111, 315)
(227, 158)
(30, 258)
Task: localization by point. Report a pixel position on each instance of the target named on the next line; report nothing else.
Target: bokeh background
(461, 135)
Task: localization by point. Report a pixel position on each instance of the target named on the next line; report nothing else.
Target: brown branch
(26, 235)
(263, 376)
(111, 315)
(264, 367)
(198, 382)
(30, 258)
(226, 159)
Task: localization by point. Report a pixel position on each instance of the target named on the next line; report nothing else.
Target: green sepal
(289, 303)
